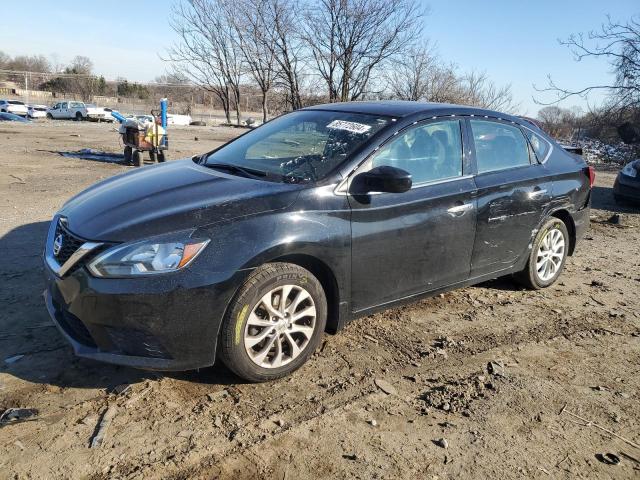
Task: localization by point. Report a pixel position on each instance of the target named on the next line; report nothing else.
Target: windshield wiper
(243, 171)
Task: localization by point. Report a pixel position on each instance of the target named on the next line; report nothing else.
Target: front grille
(73, 326)
(70, 243)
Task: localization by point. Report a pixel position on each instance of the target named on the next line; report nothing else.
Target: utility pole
(26, 87)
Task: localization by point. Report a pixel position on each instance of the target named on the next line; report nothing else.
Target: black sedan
(627, 185)
(251, 252)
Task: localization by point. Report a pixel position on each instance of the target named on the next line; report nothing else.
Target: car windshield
(303, 146)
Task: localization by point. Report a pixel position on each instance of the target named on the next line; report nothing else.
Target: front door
(513, 192)
(417, 241)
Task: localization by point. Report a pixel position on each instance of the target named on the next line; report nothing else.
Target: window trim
(501, 121)
(542, 162)
(343, 187)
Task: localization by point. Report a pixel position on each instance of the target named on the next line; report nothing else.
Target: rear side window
(540, 146)
(429, 152)
(498, 146)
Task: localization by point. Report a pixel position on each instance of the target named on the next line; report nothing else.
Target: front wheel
(136, 158)
(547, 257)
(274, 324)
(49, 116)
(128, 154)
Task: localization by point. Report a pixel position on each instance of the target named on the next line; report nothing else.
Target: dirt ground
(375, 402)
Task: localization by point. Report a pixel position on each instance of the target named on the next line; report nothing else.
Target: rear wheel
(161, 157)
(547, 257)
(274, 323)
(136, 158)
(78, 117)
(128, 153)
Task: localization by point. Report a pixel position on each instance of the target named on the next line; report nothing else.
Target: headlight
(147, 257)
(629, 170)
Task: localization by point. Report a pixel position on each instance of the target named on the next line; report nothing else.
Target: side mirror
(381, 179)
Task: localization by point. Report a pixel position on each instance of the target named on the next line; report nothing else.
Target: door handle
(460, 209)
(537, 193)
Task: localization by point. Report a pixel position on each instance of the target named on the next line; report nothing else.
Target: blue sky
(513, 41)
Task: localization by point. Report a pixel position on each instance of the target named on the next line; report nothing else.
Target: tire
(152, 156)
(536, 275)
(78, 117)
(247, 320)
(198, 123)
(161, 157)
(49, 116)
(128, 154)
(136, 158)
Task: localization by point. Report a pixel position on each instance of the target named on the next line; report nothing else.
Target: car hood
(174, 196)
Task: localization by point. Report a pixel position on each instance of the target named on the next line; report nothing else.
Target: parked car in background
(175, 119)
(72, 110)
(37, 111)
(13, 106)
(627, 185)
(249, 252)
(12, 117)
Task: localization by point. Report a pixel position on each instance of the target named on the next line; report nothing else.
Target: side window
(429, 152)
(540, 146)
(498, 146)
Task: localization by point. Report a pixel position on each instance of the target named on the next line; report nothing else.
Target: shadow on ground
(26, 329)
(602, 199)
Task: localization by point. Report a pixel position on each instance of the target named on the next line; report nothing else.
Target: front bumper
(169, 323)
(627, 187)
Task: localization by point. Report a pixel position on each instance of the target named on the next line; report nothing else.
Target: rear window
(15, 102)
(498, 146)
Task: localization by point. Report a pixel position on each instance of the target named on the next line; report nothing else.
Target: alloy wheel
(550, 255)
(280, 326)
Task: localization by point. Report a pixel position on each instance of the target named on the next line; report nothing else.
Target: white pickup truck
(79, 111)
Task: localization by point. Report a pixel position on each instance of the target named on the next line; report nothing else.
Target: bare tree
(477, 89)
(408, 77)
(206, 51)
(422, 75)
(257, 41)
(617, 42)
(289, 47)
(350, 40)
(560, 122)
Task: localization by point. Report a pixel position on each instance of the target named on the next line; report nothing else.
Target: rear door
(417, 241)
(513, 192)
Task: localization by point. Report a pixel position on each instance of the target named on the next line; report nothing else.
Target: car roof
(399, 108)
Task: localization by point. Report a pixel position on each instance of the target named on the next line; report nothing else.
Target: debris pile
(597, 152)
